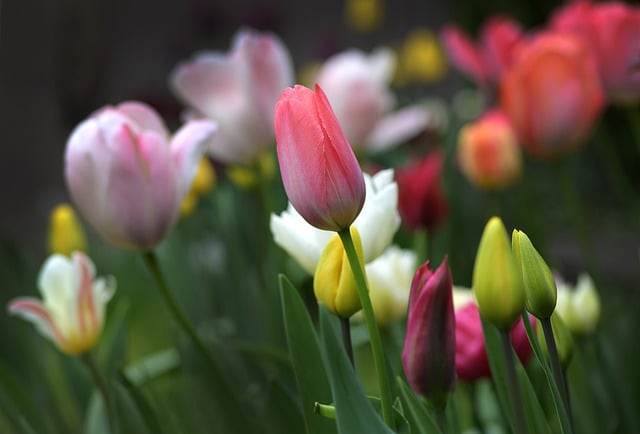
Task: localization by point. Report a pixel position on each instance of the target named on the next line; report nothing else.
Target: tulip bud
(333, 282)
(320, 172)
(72, 312)
(539, 285)
(579, 307)
(497, 283)
(65, 231)
(429, 350)
(563, 339)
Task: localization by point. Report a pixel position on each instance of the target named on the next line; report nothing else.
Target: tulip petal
(187, 147)
(32, 310)
(465, 55)
(398, 127)
(144, 117)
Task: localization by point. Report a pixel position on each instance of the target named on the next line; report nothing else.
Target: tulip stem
(346, 338)
(519, 421)
(180, 316)
(103, 388)
(556, 368)
(372, 327)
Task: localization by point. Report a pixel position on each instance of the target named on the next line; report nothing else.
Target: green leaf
(17, 405)
(141, 404)
(354, 412)
(306, 358)
(420, 420)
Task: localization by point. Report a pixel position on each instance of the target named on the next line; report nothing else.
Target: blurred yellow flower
(421, 58)
(363, 15)
(249, 177)
(203, 183)
(65, 231)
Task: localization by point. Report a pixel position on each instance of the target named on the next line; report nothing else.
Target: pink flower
(421, 199)
(127, 175)
(72, 311)
(320, 172)
(239, 91)
(612, 31)
(428, 355)
(471, 355)
(488, 152)
(486, 61)
(552, 94)
(357, 86)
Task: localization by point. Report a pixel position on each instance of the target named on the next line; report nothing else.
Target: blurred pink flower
(612, 31)
(488, 151)
(71, 313)
(357, 86)
(485, 61)
(320, 173)
(552, 94)
(471, 355)
(127, 176)
(429, 349)
(239, 91)
(421, 199)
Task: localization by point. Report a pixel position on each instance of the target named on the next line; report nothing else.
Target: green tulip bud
(562, 336)
(497, 281)
(539, 284)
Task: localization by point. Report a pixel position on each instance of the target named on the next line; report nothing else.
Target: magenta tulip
(428, 356)
(128, 176)
(320, 172)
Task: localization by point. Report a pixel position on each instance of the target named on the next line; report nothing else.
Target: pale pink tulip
(320, 172)
(128, 176)
(238, 90)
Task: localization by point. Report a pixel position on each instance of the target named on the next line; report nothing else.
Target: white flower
(377, 224)
(579, 307)
(72, 311)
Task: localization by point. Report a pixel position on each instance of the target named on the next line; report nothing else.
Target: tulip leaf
(416, 412)
(16, 405)
(306, 358)
(354, 411)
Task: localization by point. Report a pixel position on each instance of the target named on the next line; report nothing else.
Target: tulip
(239, 91)
(552, 95)
(539, 285)
(320, 173)
(485, 62)
(428, 355)
(422, 59)
(488, 151)
(497, 281)
(377, 223)
(612, 31)
(333, 281)
(579, 306)
(72, 311)
(357, 86)
(472, 362)
(126, 174)
(420, 197)
(389, 278)
(65, 231)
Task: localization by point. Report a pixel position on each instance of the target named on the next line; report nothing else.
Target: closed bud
(333, 282)
(497, 282)
(563, 338)
(539, 285)
(65, 231)
(579, 307)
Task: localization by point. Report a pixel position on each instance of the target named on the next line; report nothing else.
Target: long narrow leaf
(420, 420)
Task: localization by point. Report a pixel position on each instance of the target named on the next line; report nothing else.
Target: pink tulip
(552, 94)
(471, 355)
(612, 31)
(486, 61)
(320, 172)
(239, 91)
(127, 175)
(488, 152)
(428, 356)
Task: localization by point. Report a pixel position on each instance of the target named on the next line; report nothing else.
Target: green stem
(103, 388)
(346, 338)
(441, 418)
(519, 421)
(372, 327)
(556, 368)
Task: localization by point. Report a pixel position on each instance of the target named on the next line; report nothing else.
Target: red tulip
(612, 31)
(552, 94)
(320, 172)
(420, 197)
(428, 356)
(471, 356)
